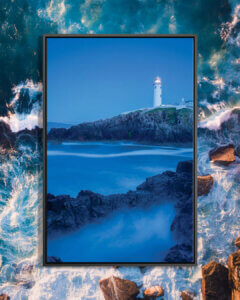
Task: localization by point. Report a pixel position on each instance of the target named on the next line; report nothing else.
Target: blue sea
(107, 168)
(135, 235)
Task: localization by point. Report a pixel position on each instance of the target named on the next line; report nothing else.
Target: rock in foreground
(234, 274)
(187, 295)
(237, 242)
(215, 282)
(4, 297)
(153, 292)
(223, 155)
(114, 288)
(204, 184)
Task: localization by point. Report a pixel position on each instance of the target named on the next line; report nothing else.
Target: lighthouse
(157, 101)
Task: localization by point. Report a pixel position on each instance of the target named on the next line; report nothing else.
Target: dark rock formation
(153, 292)
(181, 253)
(65, 213)
(234, 274)
(4, 297)
(215, 283)
(223, 155)
(68, 213)
(187, 295)
(204, 184)
(237, 242)
(185, 166)
(53, 259)
(159, 125)
(13, 140)
(7, 137)
(114, 288)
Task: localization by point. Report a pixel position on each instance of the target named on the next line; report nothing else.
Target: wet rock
(237, 242)
(180, 253)
(53, 259)
(187, 295)
(153, 292)
(4, 297)
(215, 283)
(114, 288)
(7, 137)
(185, 166)
(223, 155)
(64, 211)
(204, 184)
(234, 274)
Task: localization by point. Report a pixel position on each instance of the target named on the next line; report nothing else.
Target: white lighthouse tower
(157, 92)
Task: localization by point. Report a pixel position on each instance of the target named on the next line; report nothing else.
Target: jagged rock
(204, 184)
(215, 283)
(223, 154)
(114, 288)
(180, 254)
(7, 137)
(234, 274)
(237, 242)
(153, 292)
(185, 166)
(161, 125)
(4, 297)
(53, 259)
(187, 295)
(64, 211)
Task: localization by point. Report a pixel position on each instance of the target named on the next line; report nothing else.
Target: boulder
(114, 288)
(215, 283)
(187, 295)
(223, 155)
(204, 184)
(237, 242)
(153, 292)
(234, 274)
(4, 297)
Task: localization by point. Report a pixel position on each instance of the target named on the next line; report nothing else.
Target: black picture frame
(59, 264)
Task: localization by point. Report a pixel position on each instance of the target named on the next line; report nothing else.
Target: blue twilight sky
(95, 78)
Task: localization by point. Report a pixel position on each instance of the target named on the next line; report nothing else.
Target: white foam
(20, 121)
(215, 121)
(130, 153)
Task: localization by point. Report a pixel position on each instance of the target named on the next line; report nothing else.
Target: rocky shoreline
(65, 214)
(219, 282)
(155, 126)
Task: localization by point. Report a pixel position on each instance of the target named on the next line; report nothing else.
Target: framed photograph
(119, 149)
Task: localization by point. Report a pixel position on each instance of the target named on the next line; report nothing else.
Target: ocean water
(21, 177)
(107, 168)
(132, 235)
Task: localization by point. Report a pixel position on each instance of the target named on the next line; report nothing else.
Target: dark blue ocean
(107, 168)
(134, 235)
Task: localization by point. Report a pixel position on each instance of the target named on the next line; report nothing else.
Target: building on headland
(157, 98)
(157, 101)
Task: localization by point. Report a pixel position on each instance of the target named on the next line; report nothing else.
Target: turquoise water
(107, 168)
(134, 235)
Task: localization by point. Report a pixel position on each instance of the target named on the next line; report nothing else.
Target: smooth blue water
(134, 235)
(127, 236)
(107, 168)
